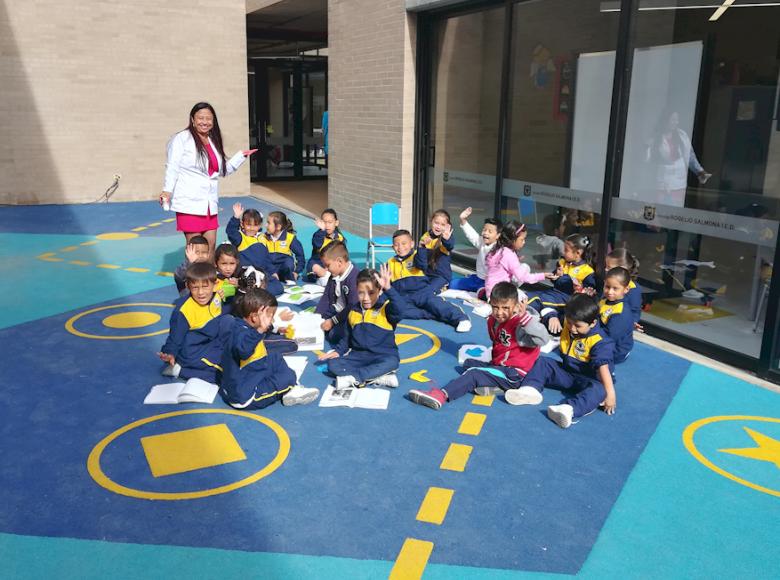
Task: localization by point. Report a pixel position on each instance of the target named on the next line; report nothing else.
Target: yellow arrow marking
(403, 337)
(420, 376)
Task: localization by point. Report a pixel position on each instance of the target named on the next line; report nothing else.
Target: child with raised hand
(435, 247)
(517, 335)
(573, 273)
(621, 257)
(615, 312)
(253, 377)
(503, 264)
(484, 242)
(587, 367)
(285, 250)
(368, 353)
(340, 294)
(244, 232)
(327, 233)
(197, 250)
(409, 279)
(194, 344)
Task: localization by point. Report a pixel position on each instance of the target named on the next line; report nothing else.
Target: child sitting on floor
(194, 344)
(368, 352)
(252, 377)
(503, 264)
(228, 265)
(615, 312)
(517, 334)
(340, 294)
(434, 251)
(409, 279)
(621, 257)
(484, 243)
(246, 236)
(285, 250)
(197, 250)
(587, 368)
(327, 233)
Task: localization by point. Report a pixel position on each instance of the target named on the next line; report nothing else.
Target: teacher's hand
(165, 197)
(248, 152)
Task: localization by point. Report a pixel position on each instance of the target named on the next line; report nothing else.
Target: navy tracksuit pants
(481, 374)
(363, 365)
(548, 372)
(425, 305)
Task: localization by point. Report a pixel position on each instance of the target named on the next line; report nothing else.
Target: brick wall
(95, 88)
(371, 99)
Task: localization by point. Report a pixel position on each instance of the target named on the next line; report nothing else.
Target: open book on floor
(352, 397)
(193, 391)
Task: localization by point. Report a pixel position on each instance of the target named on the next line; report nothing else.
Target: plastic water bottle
(166, 205)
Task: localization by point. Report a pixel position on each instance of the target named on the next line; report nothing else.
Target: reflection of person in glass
(673, 156)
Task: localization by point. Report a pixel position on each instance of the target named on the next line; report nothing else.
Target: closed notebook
(193, 391)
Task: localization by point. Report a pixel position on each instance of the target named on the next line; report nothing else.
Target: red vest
(506, 351)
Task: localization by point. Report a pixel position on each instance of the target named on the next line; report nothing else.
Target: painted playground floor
(683, 482)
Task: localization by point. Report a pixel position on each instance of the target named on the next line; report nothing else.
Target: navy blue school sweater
(617, 320)
(584, 354)
(581, 270)
(285, 250)
(319, 241)
(251, 250)
(196, 332)
(440, 274)
(408, 273)
(373, 330)
(327, 306)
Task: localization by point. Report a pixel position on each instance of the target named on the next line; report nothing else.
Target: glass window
(698, 200)
(563, 62)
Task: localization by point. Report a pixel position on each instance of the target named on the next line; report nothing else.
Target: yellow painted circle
(428, 353)
(690, 445)
(117, 236)
(131, 319)
(69, 325)
(93, 461)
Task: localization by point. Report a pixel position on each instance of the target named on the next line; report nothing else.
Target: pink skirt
(189, 223)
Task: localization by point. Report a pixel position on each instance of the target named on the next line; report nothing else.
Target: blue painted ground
(613, 496)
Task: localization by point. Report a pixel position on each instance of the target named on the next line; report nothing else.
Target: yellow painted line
(168, 274)
(46, 255)
(435, 505)
(69, 249)
(412, 559)
(136, 269)
(89, 243)
(457, 457)
(483, 400)
(109, 266)
(472, 424)
(139, 229)
(79, 263)
(154, 225)
(47, 259)
(169, 220)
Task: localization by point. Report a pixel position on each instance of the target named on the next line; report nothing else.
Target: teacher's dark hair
(215, 134)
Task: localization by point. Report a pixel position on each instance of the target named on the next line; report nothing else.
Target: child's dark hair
(625, 260)
(509, 233)
(227, 249)
(582, 242)
(200, 271)
(494, 222)
(252, 301)
(437, 251)
(368, 275)
(280, 219)
(503, 292)
(399, 233)
(330, 211)
(335, 250)
(252, 215)
(621, 274)
(582, 308)
(198, 241)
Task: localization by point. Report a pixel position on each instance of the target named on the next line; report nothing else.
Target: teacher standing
(196, 160)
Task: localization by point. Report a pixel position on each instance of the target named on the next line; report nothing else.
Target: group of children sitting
(224, 327)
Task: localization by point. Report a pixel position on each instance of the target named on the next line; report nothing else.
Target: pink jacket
(504, 265)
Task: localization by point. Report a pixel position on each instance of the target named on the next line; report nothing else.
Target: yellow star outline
(767, 449)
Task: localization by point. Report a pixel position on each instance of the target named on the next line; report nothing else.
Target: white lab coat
(192, 190)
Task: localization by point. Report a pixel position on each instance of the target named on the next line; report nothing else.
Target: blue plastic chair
(380, 214)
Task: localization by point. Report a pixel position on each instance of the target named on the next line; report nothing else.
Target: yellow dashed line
(109, 266)
(169, 220)
(79, 263)
(154, 225)
(46, 255)
(139, 229)
(472, 424)
(457, 457)
(168, 274)
(483, 400)
(89, 243)
(136, 269)
(434, 506)
(69, 249)
(411, 560)
(47, 259)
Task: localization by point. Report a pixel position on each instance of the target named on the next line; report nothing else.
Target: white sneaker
(561, 415)
(523, 396)
(463, 326)
(345, 381)
(300, 395)
(388, 380)
(172, 370)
